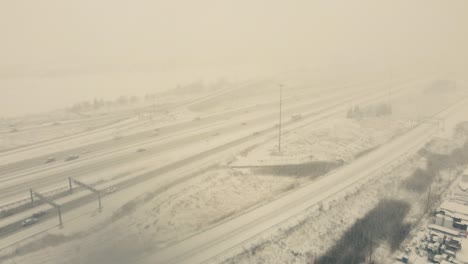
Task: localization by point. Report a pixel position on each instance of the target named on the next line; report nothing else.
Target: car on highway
(110, 189)
(296, 117)
(155, 132)
(141, 150)
(72, 157)
(50, 160)
(86, 151)
(29, 221)
(38, 214)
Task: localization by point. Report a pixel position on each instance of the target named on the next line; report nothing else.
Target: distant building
(463, 185)
(455, 214)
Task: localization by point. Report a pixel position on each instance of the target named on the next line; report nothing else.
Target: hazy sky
(55, 52)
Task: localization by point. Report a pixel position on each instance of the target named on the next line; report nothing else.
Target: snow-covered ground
(60, 124)
(338, 139)
(126, 226)
(271, 188)
(216, 194)
(24, 136)
(313, 233)
(112, 131)
(310, 235)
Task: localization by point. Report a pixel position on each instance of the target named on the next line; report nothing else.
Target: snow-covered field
(338, 139)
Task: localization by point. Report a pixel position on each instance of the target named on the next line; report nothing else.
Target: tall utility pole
(390, 108)
(428, 198)
(390, 88)
(153, 113)
(280, 114)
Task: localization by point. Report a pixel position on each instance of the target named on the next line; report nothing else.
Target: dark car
(141, 150)
(38, 214)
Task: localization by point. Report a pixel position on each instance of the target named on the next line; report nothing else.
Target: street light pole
(280, 116)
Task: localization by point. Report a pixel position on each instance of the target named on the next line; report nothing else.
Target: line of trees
(383, 223)
(375, 110)
(97, 104)
(422, 178)
(194, 87)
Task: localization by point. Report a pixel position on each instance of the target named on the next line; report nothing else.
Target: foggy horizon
(80, 53)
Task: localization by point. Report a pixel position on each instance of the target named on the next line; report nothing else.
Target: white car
(29, 221)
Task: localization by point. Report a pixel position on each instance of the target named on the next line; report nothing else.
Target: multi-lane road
(18, 177)
(244, 125)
